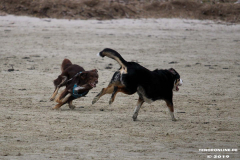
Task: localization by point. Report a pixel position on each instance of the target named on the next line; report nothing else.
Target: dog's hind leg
(63, 82)
(54, 94)
(139, 104)
(115, 91)
(62, 101)
(104, 91)
(171, 109)
(115, 81)
(62, 95)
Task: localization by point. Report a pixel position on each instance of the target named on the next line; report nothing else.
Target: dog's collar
(75, 93)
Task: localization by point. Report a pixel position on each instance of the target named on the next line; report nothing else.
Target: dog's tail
(114, 55)
(65, 64)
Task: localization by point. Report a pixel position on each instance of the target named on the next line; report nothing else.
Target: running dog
(78, 82)
(150, 85)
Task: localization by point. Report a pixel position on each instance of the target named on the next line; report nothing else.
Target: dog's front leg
(82, 88)
(139, 104)
(71, 106)
(171, 110)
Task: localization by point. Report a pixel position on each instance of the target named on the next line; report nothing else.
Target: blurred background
(225, 10)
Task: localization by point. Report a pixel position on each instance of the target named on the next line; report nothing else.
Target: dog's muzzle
(178, 84)
(93, 84)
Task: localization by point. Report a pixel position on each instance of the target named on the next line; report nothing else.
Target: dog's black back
(157, 84)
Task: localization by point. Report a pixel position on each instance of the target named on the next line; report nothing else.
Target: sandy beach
(205, 53)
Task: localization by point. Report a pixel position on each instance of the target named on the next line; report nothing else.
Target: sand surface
(206, 55)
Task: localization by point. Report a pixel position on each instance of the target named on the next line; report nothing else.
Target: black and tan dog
(150, 85)
(78, 82)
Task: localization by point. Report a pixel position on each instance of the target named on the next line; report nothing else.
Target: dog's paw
(134, 117)
(110, 102)
(52, 99)
(174, 119)
(95, 99)
(55, 108)
(72, 106)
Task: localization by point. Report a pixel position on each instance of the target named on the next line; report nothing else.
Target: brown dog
(78, 82)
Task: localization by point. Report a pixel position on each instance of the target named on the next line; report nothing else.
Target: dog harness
(75, 93)
(74, 76)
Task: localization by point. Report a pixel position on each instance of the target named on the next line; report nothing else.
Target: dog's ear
(83, 75)
(175, 73)
(94, 70)
(172, 71)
